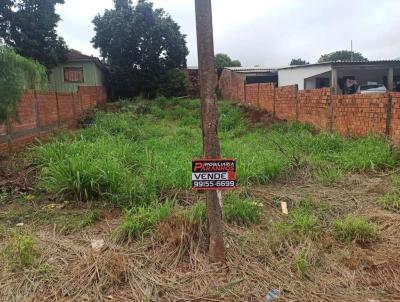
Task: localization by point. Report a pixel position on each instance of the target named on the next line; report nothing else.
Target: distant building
(78, 70)
(339, 75)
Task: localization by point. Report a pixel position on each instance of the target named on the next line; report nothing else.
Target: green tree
(299, 61)
(29, 27)
(222, 60)
(342, 55)
(16, 74)
(141, 44)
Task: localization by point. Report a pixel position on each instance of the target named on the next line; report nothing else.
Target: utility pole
(352, 52)
(209, 115)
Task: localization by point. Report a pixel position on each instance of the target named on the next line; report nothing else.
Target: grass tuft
(142, 221)
(19, 251)
(302, 263)
(242, 211)
(197, 213)
(355, 229)
(305, 220)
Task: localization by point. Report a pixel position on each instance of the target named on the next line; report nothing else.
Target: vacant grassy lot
(107, 214)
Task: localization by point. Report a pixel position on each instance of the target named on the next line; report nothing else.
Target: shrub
(241, 211)
(173, 83)
(354, 229)
(141, 221)
(391, 202)
(19, 251)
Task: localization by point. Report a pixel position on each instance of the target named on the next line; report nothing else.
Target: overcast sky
(265, 32)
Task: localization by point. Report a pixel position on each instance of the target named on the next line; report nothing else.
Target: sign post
(209, 115)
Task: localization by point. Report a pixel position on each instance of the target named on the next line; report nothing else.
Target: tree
(141, 44)
(342, 55)
(222, 60)
(29, 27)
(299, 61)
(16, 74)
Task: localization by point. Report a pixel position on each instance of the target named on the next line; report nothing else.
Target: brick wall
(350, 115)
(285, 103)
(360, 114)
(313, 107)
(42, 113)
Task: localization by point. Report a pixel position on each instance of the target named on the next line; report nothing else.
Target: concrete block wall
(42, 113)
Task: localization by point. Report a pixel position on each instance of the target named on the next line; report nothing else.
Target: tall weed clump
(141, 153)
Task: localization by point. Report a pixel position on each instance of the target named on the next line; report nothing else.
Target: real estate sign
(214, 174)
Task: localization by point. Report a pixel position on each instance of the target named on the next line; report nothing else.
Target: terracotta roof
(75, 55)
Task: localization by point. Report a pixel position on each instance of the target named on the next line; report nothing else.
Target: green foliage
(141, 221)
(19, 251)
(391, 201)
(302, 263)
(173, 83)
(223, 60)
(297, 62)
(135, 156)
(29, 26)
(342, 55)
(16, 74)
(144, 47)
(328, 174)
(241, 211)
(90, 218)
(304, 220)
(354, 228)
(197, 213)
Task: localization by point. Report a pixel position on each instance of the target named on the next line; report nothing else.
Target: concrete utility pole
(209, 115)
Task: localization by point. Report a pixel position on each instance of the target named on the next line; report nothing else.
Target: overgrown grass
(355, 229)
(241, 211)
(134, 156)
(302, 263)
(141, 221)
(19, 251)
(305, 220)
(197, 213)
(391, 201)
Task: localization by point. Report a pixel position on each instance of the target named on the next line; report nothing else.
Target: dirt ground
(163, 268)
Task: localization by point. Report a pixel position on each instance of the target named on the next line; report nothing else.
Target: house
(78, 70)
(340, 75)
(253, 75)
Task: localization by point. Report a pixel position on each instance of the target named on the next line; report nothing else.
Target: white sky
(265, 32)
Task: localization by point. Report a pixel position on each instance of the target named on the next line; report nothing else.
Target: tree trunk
(209, 112)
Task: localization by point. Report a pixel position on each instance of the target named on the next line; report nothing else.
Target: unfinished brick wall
(394, 116)
(231, 85)
(42, 113)
(285, 102)
(252, 95)
(350, 115)
(360, 114)
(313, 107)
(266, 97)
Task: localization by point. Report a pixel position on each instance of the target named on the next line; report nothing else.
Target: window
(322, 82)
(73, 75)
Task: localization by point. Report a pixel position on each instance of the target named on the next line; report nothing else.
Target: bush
(141, 221)
(173, 83)
(354, 229)
(19, 251)
(242, 211)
